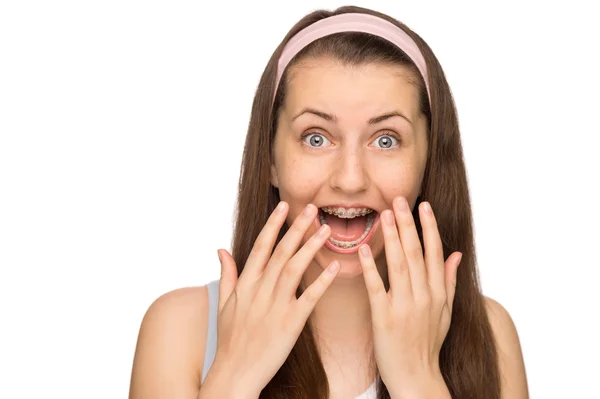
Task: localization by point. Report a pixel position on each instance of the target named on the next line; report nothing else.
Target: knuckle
(404, 312)
(301, 221)
(311, 294)
(299, 228)
(288, 271)
(439, 299)
(423, 301)
(402, 267)
(312, 245)
(260, 245)
(406, 221)
(415, 252)
(379, 289)
(398, 272)
(277, 255)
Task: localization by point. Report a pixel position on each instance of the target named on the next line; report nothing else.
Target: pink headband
(353, 22)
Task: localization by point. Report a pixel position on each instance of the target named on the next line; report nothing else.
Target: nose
(349, 174)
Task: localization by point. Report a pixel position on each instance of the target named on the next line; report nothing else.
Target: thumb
(229, 277)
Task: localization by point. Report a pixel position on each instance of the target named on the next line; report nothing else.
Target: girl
(353, 268)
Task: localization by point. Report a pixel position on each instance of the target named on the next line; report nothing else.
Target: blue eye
(315, 140)
(386, 141)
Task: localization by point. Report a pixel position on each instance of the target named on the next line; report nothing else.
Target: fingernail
(427, 208)
(219, 255)
(323, 230)
(308, 210)
(402, 204)
(460, 258)
(280, 207)
(333, 268)
(364, 250)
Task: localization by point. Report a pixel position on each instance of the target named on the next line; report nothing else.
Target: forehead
(368, 88)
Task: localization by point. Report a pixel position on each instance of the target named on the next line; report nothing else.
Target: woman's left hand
(410, 322)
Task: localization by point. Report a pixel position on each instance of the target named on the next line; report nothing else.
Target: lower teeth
(351, 244)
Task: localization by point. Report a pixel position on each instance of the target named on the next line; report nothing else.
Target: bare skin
(350, 167)
(170, 353)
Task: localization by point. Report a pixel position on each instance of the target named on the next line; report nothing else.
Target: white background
(122, 125)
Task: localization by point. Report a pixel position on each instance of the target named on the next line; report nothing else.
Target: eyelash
(388, 133)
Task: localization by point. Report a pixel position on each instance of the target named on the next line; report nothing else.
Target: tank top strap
(211, 336)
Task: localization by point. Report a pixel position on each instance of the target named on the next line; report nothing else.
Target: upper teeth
(347, 213)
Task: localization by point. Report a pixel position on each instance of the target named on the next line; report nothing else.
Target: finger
(292, 273)
(451, 273)
(434, 252)
(411, 245)
(288, 245)
(263, 246)
(397, 264)
(378, 297)
(314, 292)
(228, 279)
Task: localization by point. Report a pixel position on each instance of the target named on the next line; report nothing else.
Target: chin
(349, 270)
(350, 266)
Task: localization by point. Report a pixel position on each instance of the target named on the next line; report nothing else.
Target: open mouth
(350, 227)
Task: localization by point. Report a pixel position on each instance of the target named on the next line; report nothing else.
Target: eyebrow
(333, 118)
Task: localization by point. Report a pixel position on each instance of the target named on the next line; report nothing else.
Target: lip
(347, 206)
(346, 251)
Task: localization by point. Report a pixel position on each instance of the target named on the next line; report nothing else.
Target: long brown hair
(468, 358)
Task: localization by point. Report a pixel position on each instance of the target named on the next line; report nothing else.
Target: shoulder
(510, 355)
(169, 354)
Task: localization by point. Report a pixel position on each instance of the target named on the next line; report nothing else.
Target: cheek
(299, 183)
(398, 179)
(300, 179)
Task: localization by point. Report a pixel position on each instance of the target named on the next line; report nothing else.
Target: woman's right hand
(260, 318)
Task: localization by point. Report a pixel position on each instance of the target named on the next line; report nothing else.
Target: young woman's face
(349, 137)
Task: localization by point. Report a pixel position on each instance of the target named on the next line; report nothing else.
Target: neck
(343, 313)
(341, 320)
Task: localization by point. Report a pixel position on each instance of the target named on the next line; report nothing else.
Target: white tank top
(211, 338)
